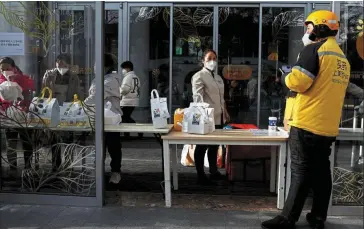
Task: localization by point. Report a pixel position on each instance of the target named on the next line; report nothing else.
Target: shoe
(314, 222)
(279, 222)
(203, 180)
(216, 176)
(115, 178)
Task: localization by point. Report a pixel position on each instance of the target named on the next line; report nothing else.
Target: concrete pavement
(56, 217)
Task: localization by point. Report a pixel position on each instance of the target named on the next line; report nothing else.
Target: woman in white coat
(211, 87)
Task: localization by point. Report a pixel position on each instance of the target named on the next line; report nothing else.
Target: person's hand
(227, 116)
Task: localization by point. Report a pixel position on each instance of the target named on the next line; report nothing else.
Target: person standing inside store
(112, 83)
(11, 72)
(320, 78)
(211, 87)
(130, 92)
(64, 85)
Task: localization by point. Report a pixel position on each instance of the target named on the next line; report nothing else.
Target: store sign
(12, 44)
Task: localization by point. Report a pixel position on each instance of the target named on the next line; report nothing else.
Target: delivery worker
(352, 89)
(320, 78)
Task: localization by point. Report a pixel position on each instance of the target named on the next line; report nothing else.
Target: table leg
(288, 173)
(158, 137)
(175, 169)
(167, 173)
(273, 168)
(281, 175)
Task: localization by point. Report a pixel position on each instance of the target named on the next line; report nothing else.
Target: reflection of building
(150, 38)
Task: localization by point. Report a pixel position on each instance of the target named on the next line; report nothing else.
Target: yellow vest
(320, 78)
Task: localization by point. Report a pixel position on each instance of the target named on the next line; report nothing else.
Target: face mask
(211, 65)
(62, 71)
(306, 40)
(123, 72)
(7, 74)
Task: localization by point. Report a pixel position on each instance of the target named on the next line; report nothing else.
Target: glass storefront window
(192, 35)
(351, 39)
(281, 44)
(149, 52)
(48, 55)
(348, 172)
(238, 61)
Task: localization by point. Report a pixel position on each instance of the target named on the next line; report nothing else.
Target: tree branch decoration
(146, 13)
(284, 20)
(75, 175)
(183, 24)
(347, 187)
(30, 22)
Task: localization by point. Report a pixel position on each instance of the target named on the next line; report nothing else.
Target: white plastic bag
(198, 118)
(10, 91)
(159, 110)
(111, 118)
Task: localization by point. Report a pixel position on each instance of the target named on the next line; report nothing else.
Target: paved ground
(54, 217)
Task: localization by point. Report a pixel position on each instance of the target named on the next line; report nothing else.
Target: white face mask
(124, 71)
(62, 71)
(306, 40)
(211, 65)
(7, 74)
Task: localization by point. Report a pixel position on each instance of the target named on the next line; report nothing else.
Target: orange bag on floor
(178, 118)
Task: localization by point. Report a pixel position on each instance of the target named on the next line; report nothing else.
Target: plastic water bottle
(272, 124)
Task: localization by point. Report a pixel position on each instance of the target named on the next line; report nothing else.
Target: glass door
(282, 30)
(238, 60)
(149, 50)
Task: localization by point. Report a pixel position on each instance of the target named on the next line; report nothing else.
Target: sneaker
(279, 222)
(216, 176)
(314, 222)
(203, 180)
(115, 178)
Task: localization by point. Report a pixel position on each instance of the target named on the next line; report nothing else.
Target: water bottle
(272, 124)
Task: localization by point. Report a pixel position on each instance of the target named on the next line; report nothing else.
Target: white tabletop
(124, 127)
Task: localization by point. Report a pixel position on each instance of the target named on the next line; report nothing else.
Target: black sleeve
(309, 59)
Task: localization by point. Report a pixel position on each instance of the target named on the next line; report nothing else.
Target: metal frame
(277, 184)
(99, 125)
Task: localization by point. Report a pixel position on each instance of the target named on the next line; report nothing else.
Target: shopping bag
(111, 118)
(10, 91)
(159, 110)
(73, 114)
(178, 119)
(198, 118)
(188, 157)
(44, 111)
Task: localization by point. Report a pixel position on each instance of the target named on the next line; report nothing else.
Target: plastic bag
(10, 91)
(111, 118)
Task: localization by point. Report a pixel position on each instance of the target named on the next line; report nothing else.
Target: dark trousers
(200, 151)
(12, 139)
(310, 168)
(113, 144)
(127, 111)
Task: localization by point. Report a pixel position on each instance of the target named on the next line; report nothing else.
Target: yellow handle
(49, 91)
(75, 98)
